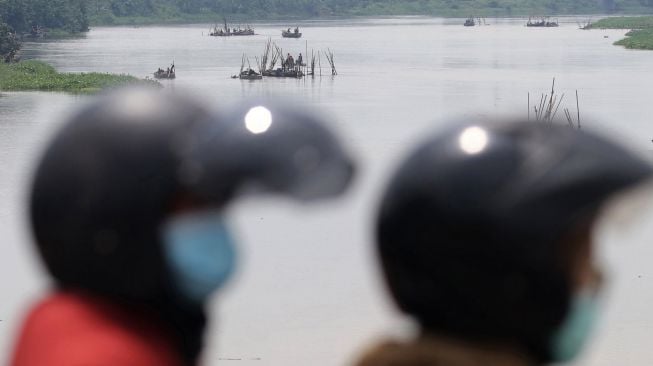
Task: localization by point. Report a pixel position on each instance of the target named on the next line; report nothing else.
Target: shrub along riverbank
(641, 35)
(36, 75)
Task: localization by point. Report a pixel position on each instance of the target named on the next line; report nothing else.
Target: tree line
(76, 15)
(19, 17)
(23, 15)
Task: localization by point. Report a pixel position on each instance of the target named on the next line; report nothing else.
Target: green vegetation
(148, 11)
(9, 43)
(624, 23)
(641, 35)
(25, 16)
(36, 75)
(74, 16)
(638, 39)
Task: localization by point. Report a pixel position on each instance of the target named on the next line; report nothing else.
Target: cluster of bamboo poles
(547, 108)
(272, 54)
(316, 61)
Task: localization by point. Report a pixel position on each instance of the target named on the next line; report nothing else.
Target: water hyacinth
(36, 75)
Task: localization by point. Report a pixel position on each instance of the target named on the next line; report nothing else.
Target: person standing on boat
(129, 209)
(484, 235)
(290, 62)
(300, 59)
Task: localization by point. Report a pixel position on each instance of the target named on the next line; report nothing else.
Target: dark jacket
(438, 352)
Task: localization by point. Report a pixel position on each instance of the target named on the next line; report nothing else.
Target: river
(309, 291)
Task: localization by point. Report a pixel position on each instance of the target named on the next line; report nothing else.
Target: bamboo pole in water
(556, 109)
(578, 109)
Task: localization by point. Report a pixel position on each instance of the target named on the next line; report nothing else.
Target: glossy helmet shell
(470, 227)
(116, 170)
(104, 185)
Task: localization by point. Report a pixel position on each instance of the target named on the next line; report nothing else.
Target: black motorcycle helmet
(118, 168)
(470, 230)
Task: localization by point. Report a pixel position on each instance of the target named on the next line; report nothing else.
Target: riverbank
(641, 35)
(641, 39)
(39, 76)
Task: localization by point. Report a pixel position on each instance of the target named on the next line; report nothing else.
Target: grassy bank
(36, 75)
(639, 38)
(625, 23)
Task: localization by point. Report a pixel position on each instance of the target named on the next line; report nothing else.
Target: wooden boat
(281, 73)
(235, 32)
(243, 32)
(219, 33)
(163, 74)
(542, 23)
(226, 31)
(470, 22)
(250, 75)
(290, 34)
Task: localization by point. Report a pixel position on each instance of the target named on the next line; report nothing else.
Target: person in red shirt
(127, 208)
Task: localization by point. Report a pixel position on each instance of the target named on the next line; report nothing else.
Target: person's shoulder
(68, 329)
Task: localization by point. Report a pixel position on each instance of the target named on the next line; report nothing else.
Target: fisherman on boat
(300, 59)
(290, 62)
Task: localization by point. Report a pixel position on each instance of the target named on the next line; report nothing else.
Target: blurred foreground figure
(128, 211)
(484, 236)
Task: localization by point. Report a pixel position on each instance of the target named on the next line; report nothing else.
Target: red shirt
(70, 329)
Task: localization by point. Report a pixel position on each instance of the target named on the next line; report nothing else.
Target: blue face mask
(199, 252)
(574, 332)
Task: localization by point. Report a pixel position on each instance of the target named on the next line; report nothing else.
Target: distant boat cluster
(298, 69)
(472, 22)
(227, 31)
(543, 22)
(267, 64)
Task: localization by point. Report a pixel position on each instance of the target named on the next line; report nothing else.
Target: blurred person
(484, 235)
(129, 209)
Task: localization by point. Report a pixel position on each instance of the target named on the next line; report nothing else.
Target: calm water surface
(308, 292)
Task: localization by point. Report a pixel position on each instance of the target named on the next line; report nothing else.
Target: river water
(308, 292)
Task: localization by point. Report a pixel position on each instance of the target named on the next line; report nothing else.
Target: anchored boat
(226, 31)
(168, 73)
(291, 34)
(542, 23)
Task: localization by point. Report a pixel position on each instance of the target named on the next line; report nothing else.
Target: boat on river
(284, 73)
(291, 34)
(250, 75)
(169, 73)
(544, 22)
(470, 22)
(226, 31)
